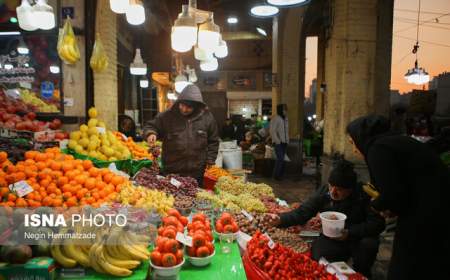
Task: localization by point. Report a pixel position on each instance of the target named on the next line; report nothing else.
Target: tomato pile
(283, 263)
(200, 231)
(57, 180)
(168, 251)
(226, 224)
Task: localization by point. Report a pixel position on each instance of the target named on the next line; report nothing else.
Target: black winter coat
(361, 220)
(414, 184)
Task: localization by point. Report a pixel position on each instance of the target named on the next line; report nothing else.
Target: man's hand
(273, 220)
(343, 237)
(151, 139)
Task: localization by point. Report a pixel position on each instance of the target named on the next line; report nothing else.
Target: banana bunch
(67, 44)
(113, 252)
(99, 59)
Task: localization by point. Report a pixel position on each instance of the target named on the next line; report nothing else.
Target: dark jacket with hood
(189, 142)
(361, 221)
(414, 184)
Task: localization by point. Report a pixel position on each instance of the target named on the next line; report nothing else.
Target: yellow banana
(128, 264)
(93, 258)
(76, 254)
(108, 267)
(132, 240)
(64, 261)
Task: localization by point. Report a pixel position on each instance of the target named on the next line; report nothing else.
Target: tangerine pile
(58, 180)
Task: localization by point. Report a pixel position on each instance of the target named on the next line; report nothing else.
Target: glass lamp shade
(222, 50)
(25, 16)
(209, 35)
(43, 15)
(138, 67)
(184, 31)
(23, 50)
(135, 13)
(209, 65)
(417, 76)
(119, 6)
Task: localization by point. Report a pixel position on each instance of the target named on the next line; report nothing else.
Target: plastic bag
(99, 59)
(67, 46)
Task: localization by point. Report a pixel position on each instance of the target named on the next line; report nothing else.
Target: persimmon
(80, 179)
(108, 177)
(94, 172)
(57, 202)
(40, 157)
(3, 156)
(30, 154)
(117, 180)
(90, 183)
(61, 181)
(4, 191)
(67, 166)
(56, 165)
(87, 164)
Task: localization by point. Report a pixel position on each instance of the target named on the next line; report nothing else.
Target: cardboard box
(41, 268)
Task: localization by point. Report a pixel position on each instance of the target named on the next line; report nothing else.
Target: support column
(320, 97)
(105, 83)
(358, 64)
(276, 64)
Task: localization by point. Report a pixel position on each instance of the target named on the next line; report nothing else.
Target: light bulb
(25, 16)
(172, 96)
(209, 65)
(44, 16)
(261, 31)
(135, 13)
(222, 50)
(209, 35)
(143, 83)
(180, 83)
(138, 67)
(54, 69)
(8, 66)
(119, 6)
(286, 3)
(232, 20)
(201, 54)
(184, 31)
(264, 11)
(23, 50)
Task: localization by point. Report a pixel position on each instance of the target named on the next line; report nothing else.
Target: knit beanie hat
(343, 175)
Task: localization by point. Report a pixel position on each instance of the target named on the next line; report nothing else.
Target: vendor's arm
(384, 173)
(306, 211)
(154, 127)
(372, 226)
(213, 142)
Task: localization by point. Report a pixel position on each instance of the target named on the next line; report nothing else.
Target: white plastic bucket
(331, 227)
(232, 159)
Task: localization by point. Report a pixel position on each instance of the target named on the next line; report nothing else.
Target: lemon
(72, 144)
(112, 159)
(92, 131)
(93, 154)
(102, 157)
(92, 112)
(92, 123)
(84, 128)
(92, 146)
(79, 149)
(84, 142)
(75, 135)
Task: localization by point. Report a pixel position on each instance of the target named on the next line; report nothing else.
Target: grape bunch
(149, 178)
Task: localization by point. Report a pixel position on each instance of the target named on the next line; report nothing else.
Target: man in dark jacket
(360, 238)
(189, 134)
(228, 130)
(414, 185)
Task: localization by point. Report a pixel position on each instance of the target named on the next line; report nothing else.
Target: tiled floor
(299, 189)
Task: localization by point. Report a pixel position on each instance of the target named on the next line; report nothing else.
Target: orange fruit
(80, 179)
(117, 180)
(90, 183)
(108, 177)
(56, 165)
(30, 154)
(66, 166)
(94, 172)
(62, 181)
(87, 164)
(40, 157)
(3, 156)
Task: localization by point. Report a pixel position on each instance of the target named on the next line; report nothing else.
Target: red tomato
(198, 240)
(210, 247)
(192, 251)
(174, 212)
(156, 258)
(226, 218)
(219, 226)
(170, 233)
(179, 256)
(228, 229)
(184, 221)
(169, 260)
(171, 246)
(203, 252)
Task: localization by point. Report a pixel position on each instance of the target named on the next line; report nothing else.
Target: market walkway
(298, 190)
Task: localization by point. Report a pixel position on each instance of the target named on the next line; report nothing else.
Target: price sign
(271, 244)
(101, 130)
(247, 215)
(184, 239)
(175, 182)
(21, 188)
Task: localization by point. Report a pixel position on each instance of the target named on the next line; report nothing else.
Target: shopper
(189, 134)
(279, 131)
(228, 130)
(240, 129)
(360, 238)
(414, 185)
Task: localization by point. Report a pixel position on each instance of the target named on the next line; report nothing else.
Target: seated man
(359, 239)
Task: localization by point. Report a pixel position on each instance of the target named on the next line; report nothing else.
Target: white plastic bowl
(223, 235)
(331, 227)
(167, 271)
(199, 262)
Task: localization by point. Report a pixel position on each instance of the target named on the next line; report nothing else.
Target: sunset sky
(434, 41)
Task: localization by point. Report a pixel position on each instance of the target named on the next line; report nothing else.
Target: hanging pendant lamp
(135, 13)
(25, 16)
(44, 16)
(138, 67)
(209, 35)
(184, 31)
